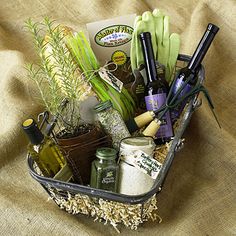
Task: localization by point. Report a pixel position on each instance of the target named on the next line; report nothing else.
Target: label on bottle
(36, 148)
(153, 103)
(108, 180)
(175, 113)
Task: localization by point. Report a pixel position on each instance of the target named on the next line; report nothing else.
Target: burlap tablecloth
(199, 196)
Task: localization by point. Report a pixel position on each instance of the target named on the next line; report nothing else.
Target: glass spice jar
(112, 122)
(129, 175)
(131, 144)
(104, 171)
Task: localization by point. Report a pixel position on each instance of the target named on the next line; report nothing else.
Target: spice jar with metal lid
(112, 122)
(104, 173)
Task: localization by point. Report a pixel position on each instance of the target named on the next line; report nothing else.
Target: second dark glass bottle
(156, 89)
(190, 71)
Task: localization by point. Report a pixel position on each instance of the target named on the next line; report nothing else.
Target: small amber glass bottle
(104, 173)
(43, 150)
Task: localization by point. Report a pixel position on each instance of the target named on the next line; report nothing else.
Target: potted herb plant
(58, 77)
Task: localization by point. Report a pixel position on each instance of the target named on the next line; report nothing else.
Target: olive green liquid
(47, 156)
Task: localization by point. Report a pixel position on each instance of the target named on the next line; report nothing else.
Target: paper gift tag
(144, 163)
(110, 79)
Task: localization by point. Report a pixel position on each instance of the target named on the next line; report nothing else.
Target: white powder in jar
(132, 181)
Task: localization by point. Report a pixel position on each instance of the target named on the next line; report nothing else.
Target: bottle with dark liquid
(187, 73)
(156, 89)
(190, 71)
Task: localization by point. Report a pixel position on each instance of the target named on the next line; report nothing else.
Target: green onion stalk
(90, 66)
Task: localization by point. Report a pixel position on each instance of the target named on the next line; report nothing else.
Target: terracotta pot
(80, 152)
(70, 143)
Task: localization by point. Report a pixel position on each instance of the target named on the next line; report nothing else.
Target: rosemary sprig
(56, 73)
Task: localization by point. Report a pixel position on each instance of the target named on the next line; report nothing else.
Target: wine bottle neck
(32, 131)
(148, 55)
(202, 47)
(150, 62)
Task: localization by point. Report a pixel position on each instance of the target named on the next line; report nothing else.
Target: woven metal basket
(115, 208)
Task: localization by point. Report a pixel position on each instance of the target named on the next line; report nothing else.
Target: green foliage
(56, 73)
(88, 63)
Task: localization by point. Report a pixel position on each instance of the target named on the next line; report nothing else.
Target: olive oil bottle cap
(32, 131)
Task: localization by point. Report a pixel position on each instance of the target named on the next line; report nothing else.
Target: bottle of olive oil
(43, 150)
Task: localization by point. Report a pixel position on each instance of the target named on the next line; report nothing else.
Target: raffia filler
(112, 212)
(108, 211)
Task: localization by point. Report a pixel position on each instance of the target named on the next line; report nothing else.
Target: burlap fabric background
(199, 196)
